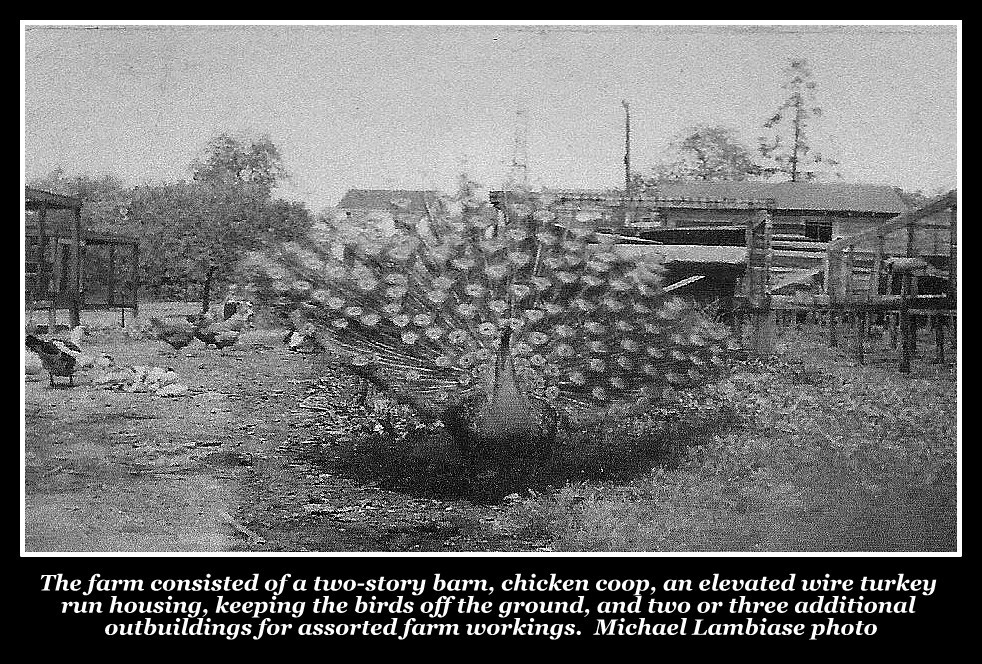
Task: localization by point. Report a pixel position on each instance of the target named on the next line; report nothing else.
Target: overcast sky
(409, 107)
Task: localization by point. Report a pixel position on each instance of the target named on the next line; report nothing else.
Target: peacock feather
(498, 323)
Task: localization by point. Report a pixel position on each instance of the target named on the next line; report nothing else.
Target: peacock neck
(509, 411)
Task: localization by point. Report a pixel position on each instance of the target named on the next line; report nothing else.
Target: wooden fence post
(939, 325)
(759, 256)
(75, 283)
(905, 325)
(860, 324)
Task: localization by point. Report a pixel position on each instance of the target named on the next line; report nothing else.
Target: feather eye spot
(437, 296)
(498, 306)
(391, 309)
(496, 272)
(487, 329)
(467, 310)
(520, 291)
(595, 327)
(564, 350)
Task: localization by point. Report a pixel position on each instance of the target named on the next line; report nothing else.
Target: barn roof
(387, 199)
(824, 196)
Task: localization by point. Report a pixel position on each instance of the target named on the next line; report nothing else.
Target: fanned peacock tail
(466, 312)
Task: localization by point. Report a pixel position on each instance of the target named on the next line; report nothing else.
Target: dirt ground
(255, 458)
(238, 464)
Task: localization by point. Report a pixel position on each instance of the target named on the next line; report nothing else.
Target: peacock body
(499, 324)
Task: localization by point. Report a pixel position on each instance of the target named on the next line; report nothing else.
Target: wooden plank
(900, 221)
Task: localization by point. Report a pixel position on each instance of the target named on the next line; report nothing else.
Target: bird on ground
(501, 325)
(58, 356)
(222, 334)
(176, 331)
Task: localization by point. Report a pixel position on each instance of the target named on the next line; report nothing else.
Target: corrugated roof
(387, 199)
(830, 196)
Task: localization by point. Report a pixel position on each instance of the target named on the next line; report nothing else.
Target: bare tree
(788, 146)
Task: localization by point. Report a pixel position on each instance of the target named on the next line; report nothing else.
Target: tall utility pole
(520, 154)
(627, 148)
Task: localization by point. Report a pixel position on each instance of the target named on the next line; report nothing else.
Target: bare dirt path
(237, 465)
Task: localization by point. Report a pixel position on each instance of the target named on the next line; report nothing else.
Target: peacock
(502, 324)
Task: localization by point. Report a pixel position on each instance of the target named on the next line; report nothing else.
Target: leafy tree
(234, 161)
(199, 230)
(707, 152)
(193, 232)
(788, 146)
(105, 199)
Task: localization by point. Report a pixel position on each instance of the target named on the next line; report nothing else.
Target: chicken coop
(71, 268)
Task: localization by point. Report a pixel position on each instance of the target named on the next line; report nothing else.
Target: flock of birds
(63, 357)
(180, 331)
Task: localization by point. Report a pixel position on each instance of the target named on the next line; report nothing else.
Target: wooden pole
(906, 349)
(939, 325)
(953, 270)
(136, 281)
(111, 278)
(54, 282)
(40, 280)
(859, 320)
(953, 255)
(75, 296)
(876, 276)
(915, 319)
(627, 149)
(759, 257)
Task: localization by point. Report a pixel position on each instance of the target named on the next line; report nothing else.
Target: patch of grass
(391, 445)
(850, 458)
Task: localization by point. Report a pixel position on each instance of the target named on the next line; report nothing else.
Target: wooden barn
(67, 266)
(687, 219)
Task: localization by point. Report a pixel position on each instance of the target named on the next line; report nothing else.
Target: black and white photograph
(462, 288)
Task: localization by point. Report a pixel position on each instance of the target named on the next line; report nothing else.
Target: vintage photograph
(490, 287)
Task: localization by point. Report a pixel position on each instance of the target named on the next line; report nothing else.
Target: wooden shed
(55, 266)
